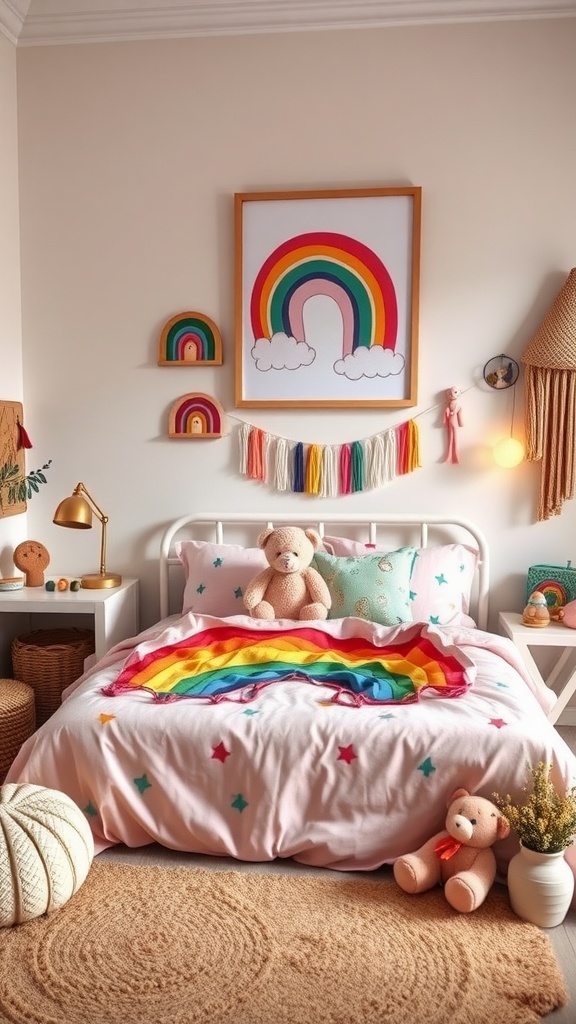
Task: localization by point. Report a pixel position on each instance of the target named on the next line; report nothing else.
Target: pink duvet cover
(291, 773)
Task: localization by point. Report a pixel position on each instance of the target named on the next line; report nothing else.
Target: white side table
(115, 610)
(562, 677)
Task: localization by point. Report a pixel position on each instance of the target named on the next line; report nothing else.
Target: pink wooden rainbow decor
(190, 339)
(196, 416)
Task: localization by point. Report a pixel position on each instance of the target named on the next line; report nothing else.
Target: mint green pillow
(374, 587)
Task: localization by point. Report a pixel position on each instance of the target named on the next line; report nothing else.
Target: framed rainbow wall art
(196, 416)
(190, 339)
(326, 298)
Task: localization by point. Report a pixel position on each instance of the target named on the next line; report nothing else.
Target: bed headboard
(390, 529)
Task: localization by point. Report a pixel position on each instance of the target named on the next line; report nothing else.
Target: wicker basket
(17, 720)
(49, 660)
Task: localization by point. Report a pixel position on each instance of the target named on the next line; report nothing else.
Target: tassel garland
(328, 471)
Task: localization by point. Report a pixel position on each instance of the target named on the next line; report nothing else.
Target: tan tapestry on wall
(550, 393)
(12, 456)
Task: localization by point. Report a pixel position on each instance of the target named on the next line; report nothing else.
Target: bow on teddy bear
(290, 588)
(460, 857)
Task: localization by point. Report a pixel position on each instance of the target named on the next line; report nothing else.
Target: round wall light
(508, 452)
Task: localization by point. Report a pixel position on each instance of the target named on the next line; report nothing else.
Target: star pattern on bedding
(142, 783)
(106, 718)
(388, 716)
(90, 811)
(217, 562)
(239, 803)
(251, 711)
(238, 592)
(347, 753)
(426, 767)
(498, 722)
(441, 579)
(201, 588)
(220, 753)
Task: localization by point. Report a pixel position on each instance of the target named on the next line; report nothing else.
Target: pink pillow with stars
(217, 575)
(441, 580)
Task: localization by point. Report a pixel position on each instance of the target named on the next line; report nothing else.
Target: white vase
(540, 886)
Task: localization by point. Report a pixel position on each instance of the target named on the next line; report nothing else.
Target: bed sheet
(291, 773)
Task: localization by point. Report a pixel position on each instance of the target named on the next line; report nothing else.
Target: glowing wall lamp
(75, 512)
(501, 373)
(508, 452)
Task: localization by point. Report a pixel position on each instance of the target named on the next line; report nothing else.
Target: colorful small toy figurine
(536, 611)
(453, 420)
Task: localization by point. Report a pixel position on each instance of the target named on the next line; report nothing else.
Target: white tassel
(243, 435)
(389, 455)
(281, 478)
(377, 461)
(330, 471)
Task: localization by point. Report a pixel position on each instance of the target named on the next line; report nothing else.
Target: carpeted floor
(152, 945)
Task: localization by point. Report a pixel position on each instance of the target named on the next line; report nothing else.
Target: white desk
(115, 610)
(562, 677)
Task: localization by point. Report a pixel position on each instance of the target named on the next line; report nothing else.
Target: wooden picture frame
(12, 460)
(327, 298)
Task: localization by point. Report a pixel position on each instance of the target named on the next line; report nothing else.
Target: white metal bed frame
(373, 527)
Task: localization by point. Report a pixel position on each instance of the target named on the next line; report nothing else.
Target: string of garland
(328, 470)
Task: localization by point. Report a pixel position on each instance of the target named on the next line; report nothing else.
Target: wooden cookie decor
(32, 559)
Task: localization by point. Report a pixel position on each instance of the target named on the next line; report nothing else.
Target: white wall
(129, 158)
(12, 528)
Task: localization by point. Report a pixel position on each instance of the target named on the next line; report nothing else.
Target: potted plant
(540, 881)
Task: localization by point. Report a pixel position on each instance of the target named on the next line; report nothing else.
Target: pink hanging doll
(453, 420)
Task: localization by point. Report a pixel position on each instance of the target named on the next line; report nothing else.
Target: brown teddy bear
(290, 588)
(460, 857)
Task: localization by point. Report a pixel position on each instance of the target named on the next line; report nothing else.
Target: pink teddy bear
(460, 857)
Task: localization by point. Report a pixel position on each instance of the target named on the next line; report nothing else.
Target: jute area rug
(157, 945)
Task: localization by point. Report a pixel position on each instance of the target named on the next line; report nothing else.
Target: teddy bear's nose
(472, 821)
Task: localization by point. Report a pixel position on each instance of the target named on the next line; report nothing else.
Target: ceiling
(38, 22)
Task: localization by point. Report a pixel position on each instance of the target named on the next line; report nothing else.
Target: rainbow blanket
(231, 662)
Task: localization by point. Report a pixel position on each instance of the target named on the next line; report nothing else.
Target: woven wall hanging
(550, 393)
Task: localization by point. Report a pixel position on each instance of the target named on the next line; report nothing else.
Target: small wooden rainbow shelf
(190, 339)
(196, 416)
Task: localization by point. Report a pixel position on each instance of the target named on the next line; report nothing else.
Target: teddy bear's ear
(503, 828)
(264, 537)
(457, 794)
(314, 538)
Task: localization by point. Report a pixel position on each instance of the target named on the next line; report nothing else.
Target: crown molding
(12, 15)
(61, 21)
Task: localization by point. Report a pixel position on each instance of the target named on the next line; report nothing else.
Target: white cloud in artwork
(376, 361)
(280, 352)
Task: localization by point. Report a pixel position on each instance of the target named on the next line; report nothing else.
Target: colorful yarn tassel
(357, 466)
(345, 469)
(313, 469)
(256, 469)
(298, 478)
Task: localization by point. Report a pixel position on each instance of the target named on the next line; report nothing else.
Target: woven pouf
(46, 849)
(17, 720)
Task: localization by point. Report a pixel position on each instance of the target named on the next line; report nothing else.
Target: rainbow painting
(332, 264)
(196, 416)
(190, 339)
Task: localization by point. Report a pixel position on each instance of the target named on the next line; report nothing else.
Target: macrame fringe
(327, 471)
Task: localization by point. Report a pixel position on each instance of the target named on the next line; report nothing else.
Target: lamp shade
(74, 512)
(508, 452)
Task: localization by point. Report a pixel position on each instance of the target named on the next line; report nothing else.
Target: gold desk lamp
(76, 513)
